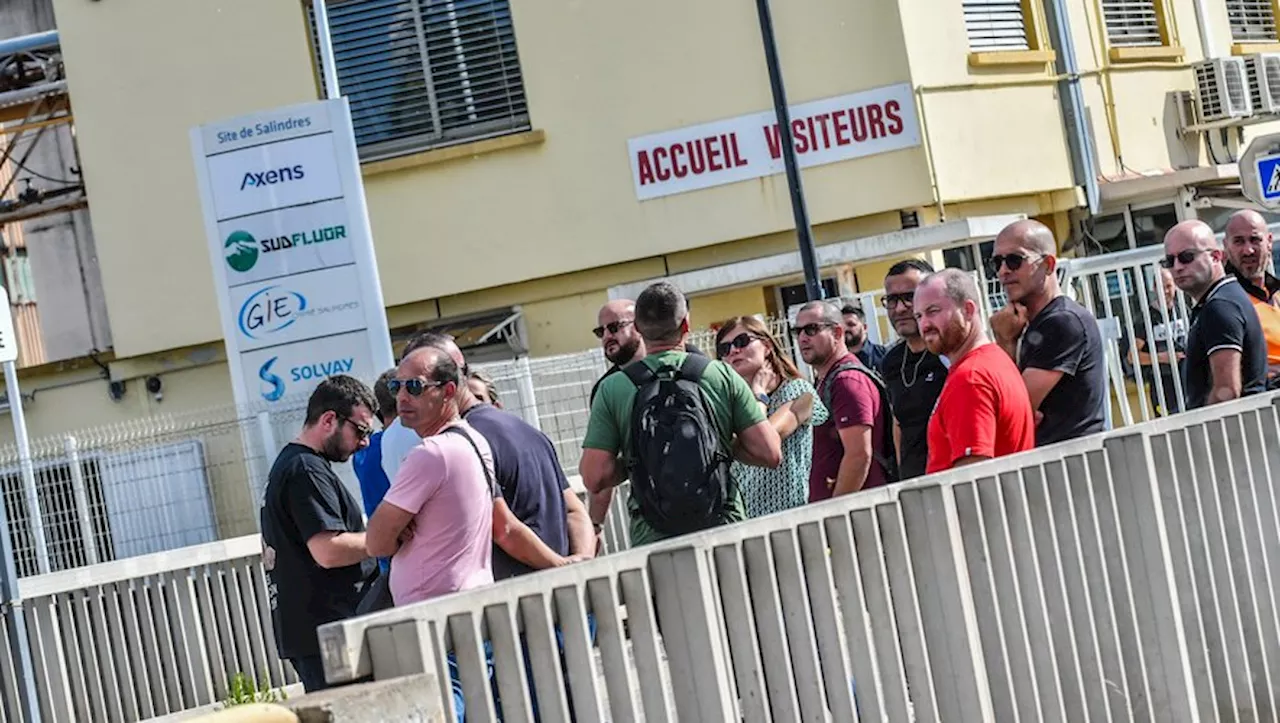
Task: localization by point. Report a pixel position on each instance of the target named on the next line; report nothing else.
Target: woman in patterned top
(791, 405)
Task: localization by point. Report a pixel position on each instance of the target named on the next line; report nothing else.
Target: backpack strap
(639, 373)
(888, 456)
(488, 476)
(693, 367)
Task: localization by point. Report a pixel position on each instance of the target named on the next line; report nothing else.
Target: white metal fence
(1126, 576)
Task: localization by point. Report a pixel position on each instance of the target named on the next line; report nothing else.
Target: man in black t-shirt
(1226, 351)
(912, 375)
(1054, 340)
(313, 546)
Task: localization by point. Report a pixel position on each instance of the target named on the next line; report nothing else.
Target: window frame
(1169, 47)
(1037, 51)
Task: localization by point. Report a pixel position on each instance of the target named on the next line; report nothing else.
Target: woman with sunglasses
(789, 400)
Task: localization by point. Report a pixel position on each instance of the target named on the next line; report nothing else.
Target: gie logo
(272, 177)
(270, 310)
(273, 386)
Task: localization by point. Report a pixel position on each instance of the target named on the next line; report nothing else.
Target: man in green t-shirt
(662, 318)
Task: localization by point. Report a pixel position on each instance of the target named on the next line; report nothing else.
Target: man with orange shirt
(984, 410)
(1248, 249)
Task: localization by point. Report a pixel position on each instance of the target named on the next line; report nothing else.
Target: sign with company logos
(291, 248)
(749, 146)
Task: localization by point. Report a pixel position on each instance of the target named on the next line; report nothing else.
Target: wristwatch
(763, 398)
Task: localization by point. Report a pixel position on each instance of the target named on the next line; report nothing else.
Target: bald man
(1054, 340)
(622, 344)
(1226, 352)
(1248, 248)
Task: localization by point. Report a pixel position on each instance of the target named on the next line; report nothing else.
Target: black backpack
(887, 455)
(679, 472)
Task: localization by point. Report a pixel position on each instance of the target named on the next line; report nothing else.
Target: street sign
(291, 249)
(1260, 171)
(8, 339)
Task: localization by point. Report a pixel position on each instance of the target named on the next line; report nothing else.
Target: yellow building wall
(141, 74)
(709, 310)
(563, 325)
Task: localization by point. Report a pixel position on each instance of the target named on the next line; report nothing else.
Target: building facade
(525, 161)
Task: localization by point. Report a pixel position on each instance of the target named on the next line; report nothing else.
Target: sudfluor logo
(241, 250)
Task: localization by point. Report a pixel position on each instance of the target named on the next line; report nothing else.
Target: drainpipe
(1071, 98)
(1206, 30)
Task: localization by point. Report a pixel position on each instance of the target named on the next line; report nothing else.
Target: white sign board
(292, 253)
(8, 338)
(1260, 171)
(749, 146)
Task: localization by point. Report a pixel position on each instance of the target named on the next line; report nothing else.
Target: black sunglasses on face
(1182, 257)
(362, 432)
(614, 327)
(891, 300)
(814, 328)
(1013, 261)
(740, 341)
(415, 387)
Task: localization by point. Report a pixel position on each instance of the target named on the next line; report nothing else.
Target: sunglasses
(362, 432)
(1182, 257)
(1013, 261)
(741, 341)
(891, 300)
(415, 387)
(613, 327)
(815, 328)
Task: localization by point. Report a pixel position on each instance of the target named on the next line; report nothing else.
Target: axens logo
(270, 310)
(272, 177)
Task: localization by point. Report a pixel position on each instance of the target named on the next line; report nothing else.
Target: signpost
(1260, 171)
(292, 252)
(10, 597)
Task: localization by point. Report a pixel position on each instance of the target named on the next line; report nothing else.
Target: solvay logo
(257, 179)
(273, 386)
(270, 310)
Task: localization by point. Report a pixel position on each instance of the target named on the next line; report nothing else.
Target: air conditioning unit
(1263, 71)
(1222, 89)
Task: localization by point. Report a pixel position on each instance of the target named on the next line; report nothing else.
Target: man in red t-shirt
(984, 410)
(846, 445)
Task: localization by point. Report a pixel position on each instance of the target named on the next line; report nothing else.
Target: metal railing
(1132, 575)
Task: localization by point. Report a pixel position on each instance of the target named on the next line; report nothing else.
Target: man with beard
(618, 337)
(313, 532)
(912, 374)
(984, 411)
(853, 449)
(1226, 351)
(868, 352)
(1054, 340)
(1248, 248)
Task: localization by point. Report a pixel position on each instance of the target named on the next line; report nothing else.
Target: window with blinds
(1252, 21)
(996, 25)
(423, 73)
(1132, 23)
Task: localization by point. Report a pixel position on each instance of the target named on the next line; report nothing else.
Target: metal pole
(83, 515)
(28, 469)
(808, 257)
(328, 63)
(10, 596)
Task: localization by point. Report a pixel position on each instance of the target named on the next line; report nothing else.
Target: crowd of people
(460, 493)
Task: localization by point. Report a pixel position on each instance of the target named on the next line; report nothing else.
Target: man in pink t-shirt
(437, 519)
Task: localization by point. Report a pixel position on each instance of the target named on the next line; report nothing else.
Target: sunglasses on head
(741, 341)
(891, 300)
(814, 328)
(1013, 261)
(1182, 257)
(415, 387)
(613, 327)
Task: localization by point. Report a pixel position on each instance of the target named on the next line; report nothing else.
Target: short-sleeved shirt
(615, 369)
(397, 441)
(786, 486)
(914, 381)
(442, 483)
(1064, 337)
(872, 354)
(732, 404)
(367, 464)
(1224, 319)
(1266, 301)
(304, 497)
(855, 400)
(527, 471)
(984, 411)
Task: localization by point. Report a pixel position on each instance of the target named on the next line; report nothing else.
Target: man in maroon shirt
(849, 450)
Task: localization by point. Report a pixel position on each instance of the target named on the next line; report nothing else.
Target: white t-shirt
(397, 441)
